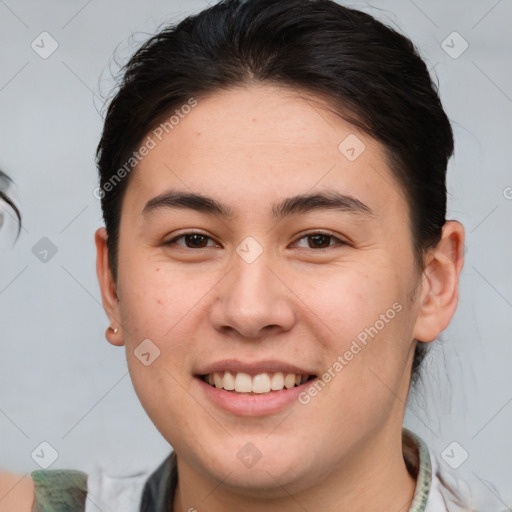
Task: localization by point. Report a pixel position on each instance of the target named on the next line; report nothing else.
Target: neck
(375, 478)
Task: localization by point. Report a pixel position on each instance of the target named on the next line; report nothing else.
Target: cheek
(346, 298)
(157, 331)
(366, 318)
(158, 313)
(162, 391)
(155, 301)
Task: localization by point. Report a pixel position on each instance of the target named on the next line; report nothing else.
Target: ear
(108, 288)
(440, 286)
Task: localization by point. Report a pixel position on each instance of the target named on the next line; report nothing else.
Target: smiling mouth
(259, 384)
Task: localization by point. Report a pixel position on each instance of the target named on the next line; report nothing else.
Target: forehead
(251, 144)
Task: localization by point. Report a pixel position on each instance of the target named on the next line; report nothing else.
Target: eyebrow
(300, 204)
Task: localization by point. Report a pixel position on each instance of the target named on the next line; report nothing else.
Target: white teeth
(243, 383)
(260, 383)
(277, 381)
(289, 381)
(229, 381)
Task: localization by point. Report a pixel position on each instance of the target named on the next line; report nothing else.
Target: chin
(266, 480)
(258, 467)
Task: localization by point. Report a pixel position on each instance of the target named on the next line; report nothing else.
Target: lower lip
(252, 404)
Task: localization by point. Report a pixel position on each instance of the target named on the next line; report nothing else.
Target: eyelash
(308, 235)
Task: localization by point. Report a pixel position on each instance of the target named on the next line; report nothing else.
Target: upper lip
(253, 367)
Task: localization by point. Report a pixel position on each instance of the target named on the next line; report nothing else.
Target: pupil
(317, 237)
(196, 238)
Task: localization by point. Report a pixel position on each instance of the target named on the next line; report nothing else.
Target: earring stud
(112, 329)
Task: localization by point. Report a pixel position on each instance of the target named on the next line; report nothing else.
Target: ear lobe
(107, 286)
(440, 287)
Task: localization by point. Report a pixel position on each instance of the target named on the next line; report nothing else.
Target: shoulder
(439, 488)
(458, 491)
(16, 492)
(59, 489)
(43, 491)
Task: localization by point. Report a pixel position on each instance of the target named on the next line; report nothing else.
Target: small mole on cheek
(159, 301)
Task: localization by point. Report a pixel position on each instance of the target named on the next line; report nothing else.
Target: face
(267, 290)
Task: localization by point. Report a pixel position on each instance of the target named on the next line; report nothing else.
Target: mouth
(253, 388)
(241, 383)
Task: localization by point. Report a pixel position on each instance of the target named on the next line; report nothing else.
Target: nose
(253, 301)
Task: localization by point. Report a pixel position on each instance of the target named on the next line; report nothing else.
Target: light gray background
(62, 382)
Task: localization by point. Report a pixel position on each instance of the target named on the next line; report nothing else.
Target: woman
(276, 260)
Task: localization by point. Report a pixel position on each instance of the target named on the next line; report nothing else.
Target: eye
(193, 240)
(319, 240)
